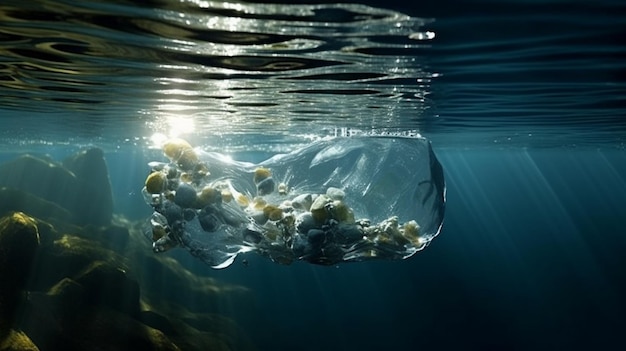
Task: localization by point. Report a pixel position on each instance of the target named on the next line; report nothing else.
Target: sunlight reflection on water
(231, 68)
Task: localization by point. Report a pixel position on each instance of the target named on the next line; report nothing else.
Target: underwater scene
(309, 175)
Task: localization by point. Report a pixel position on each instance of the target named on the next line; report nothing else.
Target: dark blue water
(530, 257)
(523, 101)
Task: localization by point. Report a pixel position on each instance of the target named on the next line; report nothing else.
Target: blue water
(523, 102)
(530, 257)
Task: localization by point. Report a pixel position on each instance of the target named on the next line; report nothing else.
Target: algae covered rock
(98, 308)
(198, 331)
(81, 294)
(19, 239)
(106, 329)
(91, 328)
(68, 256)
(16, 341)
(53, 322)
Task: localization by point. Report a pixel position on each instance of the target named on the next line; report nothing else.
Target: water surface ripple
(480, 73)
(233, 67)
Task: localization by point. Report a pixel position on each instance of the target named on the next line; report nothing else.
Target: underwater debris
(323, 220)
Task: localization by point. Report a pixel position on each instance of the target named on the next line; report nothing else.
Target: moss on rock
(15, 340)
(19, 240)
(82, 294)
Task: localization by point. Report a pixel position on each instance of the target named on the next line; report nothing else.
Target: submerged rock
(68, 295)
(68, 256)
(15, 340)
(79, 186)
(19, 239)
(80, 294)
(185, 195)
(94, 199)
(157, 321)
(108, 285)
(90, 328)
(39, 177)
(15, 200)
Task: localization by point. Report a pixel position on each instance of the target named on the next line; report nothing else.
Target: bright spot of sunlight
(157, 140)
(178, 125)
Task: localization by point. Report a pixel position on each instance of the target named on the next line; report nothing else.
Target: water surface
(481, 73)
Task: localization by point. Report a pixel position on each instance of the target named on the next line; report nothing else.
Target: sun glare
(172, 127)
(158, 139)
(178, 125)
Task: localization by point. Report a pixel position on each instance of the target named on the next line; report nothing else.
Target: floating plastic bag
(336, 200)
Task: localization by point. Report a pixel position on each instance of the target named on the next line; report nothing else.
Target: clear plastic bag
(335, 200)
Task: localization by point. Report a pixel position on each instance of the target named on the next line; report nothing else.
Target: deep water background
(530, 257)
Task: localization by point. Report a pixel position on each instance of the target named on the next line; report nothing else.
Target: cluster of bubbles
(215, 221)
